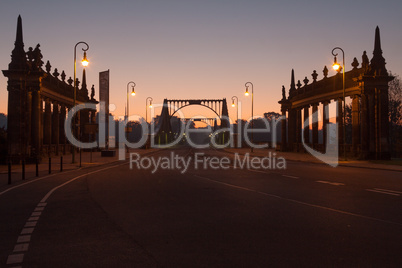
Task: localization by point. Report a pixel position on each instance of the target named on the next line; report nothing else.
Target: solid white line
(392, 191)
(382, 192)
(292, 177)
(332, 183)
(34, 180)
(299, 202)
(73, 179)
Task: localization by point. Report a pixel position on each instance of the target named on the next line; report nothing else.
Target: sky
(186, 49)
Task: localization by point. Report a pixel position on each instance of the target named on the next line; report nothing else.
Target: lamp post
(252, 110)
(336, 67)
(128, 97)
(128, 106)
(146, 107)
(237, 107)
(85, 64)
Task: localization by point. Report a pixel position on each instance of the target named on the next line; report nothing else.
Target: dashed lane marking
(332, 183)
(292, 177)
(23, 240)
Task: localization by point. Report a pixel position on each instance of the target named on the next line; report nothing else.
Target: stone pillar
(292, 129)
(340, 123)
(55, 126)
(41, 113)
(283, 130)
(306, 128)
(62, 119)
(315, 125)
(298, 128)
(384, 152)
(325, 121)
(47, 124)
(364, 127)
(36, 123)
(27, 118)
(84, 119)
(372, 116)
(355, 124)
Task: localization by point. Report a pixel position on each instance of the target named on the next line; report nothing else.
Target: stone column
(292, 129)
(62, 119)
(364, 127)
(340, 123)
(372, 116)
(47, 124)
(325, 121)
(36, 122)
(384, 152)
(298, 128)
(315, 125)
(84, 119)
(283, 130)
(355, 124)
(55, 126)
(28, 119)
(41, 123)
(306, 128)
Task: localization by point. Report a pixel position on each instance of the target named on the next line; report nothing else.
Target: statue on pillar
(37, 55)
(283, 93)
(92, 92)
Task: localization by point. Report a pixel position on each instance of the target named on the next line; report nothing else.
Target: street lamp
(336, 67)
(252, 110)
(85, 64)
(236, 105)
(146, 106)
(128, 95)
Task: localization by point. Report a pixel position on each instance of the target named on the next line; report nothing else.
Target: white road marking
(21, 247)
(27, 231)
(15, 258)
(23, 238)
(382, 192)
(392, 191)
(299, 202)
(34, 180)
(292, 177)
(332, 183)
(30, 224)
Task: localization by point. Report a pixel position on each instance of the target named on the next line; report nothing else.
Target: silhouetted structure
(37, 104)
(368, 88)
(170, 107)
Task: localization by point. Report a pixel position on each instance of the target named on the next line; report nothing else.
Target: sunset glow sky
(201, 49)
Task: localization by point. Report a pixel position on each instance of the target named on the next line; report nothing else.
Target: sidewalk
(30, 169)
(306, 157)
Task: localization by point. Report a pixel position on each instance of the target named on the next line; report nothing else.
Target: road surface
(307, 215)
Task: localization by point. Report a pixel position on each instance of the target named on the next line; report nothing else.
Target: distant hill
(3, 121)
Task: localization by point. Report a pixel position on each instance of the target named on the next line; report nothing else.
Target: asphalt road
(307, 215)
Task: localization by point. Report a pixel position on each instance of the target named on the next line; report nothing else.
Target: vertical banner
(104, 108)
